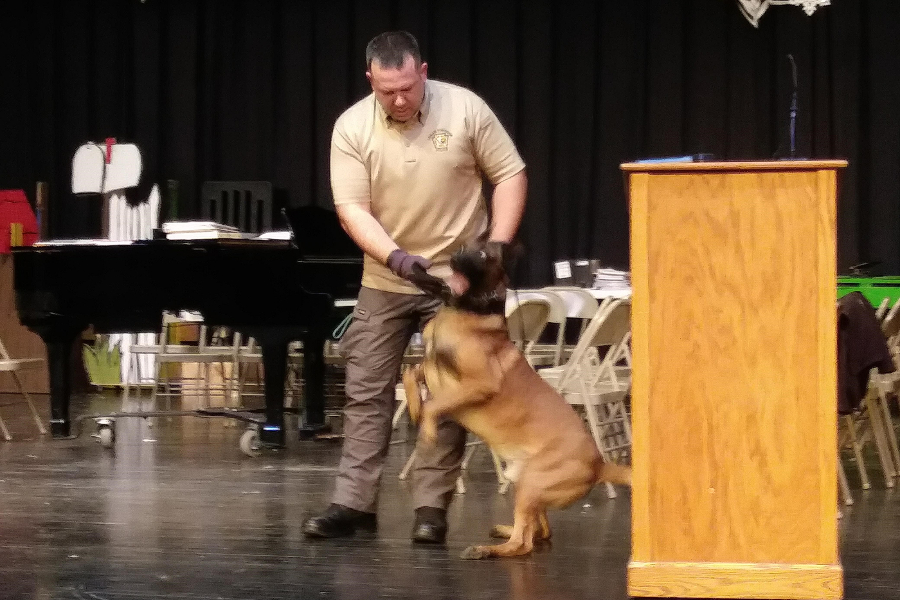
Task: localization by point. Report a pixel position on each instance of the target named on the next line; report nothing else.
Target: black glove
(509, 253)
(431, 285)
(412, 268)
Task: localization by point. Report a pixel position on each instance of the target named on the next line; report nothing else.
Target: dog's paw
(501, 531)
(475, 553)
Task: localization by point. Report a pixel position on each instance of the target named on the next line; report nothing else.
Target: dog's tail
(413, 393)
(613, 473)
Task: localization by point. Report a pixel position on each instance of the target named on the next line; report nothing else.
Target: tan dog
(476, 376)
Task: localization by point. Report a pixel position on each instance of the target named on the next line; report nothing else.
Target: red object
(14, 208)
(109, 145)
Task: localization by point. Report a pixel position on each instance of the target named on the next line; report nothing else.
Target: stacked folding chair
(589, 379)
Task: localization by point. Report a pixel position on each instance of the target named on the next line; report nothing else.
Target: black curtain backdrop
(249, 90)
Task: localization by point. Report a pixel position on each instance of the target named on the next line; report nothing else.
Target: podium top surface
(771, 165)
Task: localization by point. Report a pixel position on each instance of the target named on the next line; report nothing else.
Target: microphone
(793, 111)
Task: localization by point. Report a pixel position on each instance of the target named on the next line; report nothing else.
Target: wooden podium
(734, 400)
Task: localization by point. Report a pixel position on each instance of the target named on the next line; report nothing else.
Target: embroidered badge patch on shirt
(441, 139)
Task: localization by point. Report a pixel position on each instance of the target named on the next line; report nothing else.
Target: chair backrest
(890, 325)
(610, 326)
(580, 303)
(883, 308)
(558, 309)
(558, 315)
(613, 328)
(246, 205)
(526, 319)
(171, 322)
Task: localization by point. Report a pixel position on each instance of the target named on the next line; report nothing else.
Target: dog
(474, 374)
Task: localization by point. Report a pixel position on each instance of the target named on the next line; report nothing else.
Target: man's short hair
(391, 48)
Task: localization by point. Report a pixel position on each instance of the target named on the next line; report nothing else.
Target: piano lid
(318, 233)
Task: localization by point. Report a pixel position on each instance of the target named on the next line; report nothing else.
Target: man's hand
(412, 268)
(431, 285)
(403, 263)
(509, 253)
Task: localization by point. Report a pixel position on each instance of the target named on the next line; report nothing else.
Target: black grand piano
(275, 291)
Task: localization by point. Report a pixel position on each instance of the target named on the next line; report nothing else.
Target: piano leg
(274, 343)
(59, 359)
(59, 341)
(313, 386)
(274, 355)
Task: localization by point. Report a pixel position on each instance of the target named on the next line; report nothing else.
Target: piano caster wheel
(250, 442)
(107, 435)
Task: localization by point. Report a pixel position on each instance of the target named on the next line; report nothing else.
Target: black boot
(339, 521)
(430, 526)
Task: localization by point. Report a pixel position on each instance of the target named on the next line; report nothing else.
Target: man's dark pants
(373, 345)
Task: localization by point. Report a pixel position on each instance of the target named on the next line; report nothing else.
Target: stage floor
(177, 512)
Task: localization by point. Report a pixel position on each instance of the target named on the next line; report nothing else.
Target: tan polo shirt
(423, 178)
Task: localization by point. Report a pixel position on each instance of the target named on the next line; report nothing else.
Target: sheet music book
(274, 235)
(84, 242)
(612, 279)
(184, 226)
(199, 230)
(204, 235)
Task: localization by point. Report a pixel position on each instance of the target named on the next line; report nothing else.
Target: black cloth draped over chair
(861, 347)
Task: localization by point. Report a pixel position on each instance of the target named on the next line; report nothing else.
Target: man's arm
(508, 205)
(350, 187)
(359, 223)
(357, 220)
(499, 159)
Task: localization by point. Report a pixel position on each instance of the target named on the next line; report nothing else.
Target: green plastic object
(102, 363)
(875, 289)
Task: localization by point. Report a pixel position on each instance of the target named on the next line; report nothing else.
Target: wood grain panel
(640, 406)
(734, 372)
(827, 350)
(724, 580)
(19, 341)
(735, 166)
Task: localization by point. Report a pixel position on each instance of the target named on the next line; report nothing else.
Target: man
(407, 164)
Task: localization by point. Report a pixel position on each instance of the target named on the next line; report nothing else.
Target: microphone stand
(793, 111)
